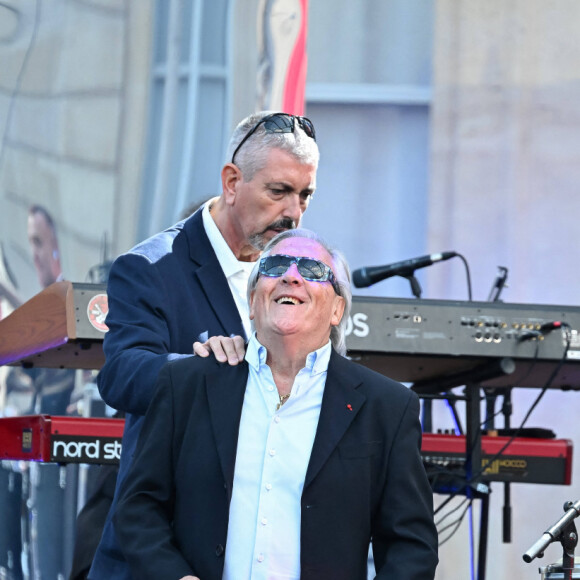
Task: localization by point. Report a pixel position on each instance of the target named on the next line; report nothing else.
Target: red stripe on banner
(295, 85)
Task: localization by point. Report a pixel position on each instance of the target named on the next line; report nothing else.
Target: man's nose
(294, 208)
(292, 276)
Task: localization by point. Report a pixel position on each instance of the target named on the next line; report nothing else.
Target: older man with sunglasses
(188, 283)
(287, 465)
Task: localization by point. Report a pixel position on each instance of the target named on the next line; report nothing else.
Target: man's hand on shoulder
(224, 348)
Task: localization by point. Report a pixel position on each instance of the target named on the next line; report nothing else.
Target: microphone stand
(491, 396)
(507, 508)
(564, 530)
(415, 286)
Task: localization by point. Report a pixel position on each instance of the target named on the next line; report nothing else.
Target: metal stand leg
(473, 467)
(483, 527)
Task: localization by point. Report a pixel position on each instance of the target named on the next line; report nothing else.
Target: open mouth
(288, 300)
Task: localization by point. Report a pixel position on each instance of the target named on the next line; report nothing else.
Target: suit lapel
(341, 403)
(211, 277)
(225, 394)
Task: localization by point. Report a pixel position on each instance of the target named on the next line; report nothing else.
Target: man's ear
(231, 176)
(338, 310)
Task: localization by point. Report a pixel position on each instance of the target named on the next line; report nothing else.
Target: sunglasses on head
(279, 123)
(310, 269)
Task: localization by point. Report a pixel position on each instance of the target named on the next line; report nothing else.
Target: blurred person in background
(52, 389)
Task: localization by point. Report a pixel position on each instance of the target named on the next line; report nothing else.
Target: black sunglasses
(310, 269)
(279, 123)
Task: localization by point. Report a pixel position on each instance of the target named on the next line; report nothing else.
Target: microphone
(367, 276)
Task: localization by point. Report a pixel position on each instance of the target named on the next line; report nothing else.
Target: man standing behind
(289, 464)
(188, 283)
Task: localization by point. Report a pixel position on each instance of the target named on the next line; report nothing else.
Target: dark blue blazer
(365, 479)
(164, 294)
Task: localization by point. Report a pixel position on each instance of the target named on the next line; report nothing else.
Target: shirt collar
(229, 263)
(316, 362)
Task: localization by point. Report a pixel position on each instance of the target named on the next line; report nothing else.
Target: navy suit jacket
(365, 479)
(164, 294)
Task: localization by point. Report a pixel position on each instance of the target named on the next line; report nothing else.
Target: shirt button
(260, 557)
(268, 486)
(270, 388)
(264, 521)
(277, 418)
(272, 452)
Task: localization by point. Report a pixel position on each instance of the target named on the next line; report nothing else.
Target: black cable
(455, 523)
(451, 511)
(467, 275)
(530, 370)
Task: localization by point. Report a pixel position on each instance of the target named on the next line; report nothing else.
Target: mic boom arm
(563, 530)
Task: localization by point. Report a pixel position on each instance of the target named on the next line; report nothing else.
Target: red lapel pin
(349, 407)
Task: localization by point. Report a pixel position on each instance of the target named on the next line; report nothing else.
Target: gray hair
(341, 272)
(253, 154)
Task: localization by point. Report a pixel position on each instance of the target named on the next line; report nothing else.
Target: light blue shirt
(274, 448)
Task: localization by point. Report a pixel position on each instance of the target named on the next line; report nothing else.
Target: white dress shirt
(236, 272)
(273, 452)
